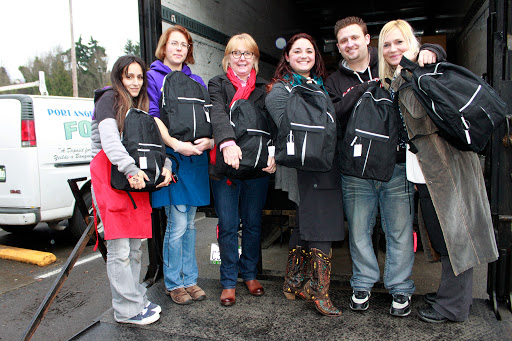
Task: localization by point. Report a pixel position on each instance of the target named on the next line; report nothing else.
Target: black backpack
(306, 137)
(185, 106)
(462, 105)
(253, 135)
(142, 140)
(368, 149)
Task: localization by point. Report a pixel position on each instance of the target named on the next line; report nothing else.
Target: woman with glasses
(237, 200)
(318, 194)
(181, 199)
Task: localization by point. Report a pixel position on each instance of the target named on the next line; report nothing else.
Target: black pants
(295, 240)
(455, 293)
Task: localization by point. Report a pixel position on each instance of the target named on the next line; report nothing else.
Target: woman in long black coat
(320, 208)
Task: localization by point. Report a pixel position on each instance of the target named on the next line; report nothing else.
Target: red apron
(120, 219)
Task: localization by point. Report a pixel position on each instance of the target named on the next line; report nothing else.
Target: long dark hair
(283, 68)
(124, 101)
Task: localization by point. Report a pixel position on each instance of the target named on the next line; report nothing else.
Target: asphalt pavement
(85, 301)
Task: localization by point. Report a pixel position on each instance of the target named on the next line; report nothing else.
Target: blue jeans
(180, 266)
(395, 198)
(242, 200)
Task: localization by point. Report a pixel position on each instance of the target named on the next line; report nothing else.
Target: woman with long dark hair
(125, 225)
(317, 195)
(175, 53)
(450, 184)
(237, 200)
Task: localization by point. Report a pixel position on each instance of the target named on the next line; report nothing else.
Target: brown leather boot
(317, 288)
(295, 272)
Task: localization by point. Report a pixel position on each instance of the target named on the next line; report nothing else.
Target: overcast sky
(33, 27)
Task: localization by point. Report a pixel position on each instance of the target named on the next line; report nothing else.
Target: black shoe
(430, 298)
(431, 315)
(360, 300)
(401, 306)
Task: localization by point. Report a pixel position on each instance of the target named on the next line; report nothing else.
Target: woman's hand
(203, 144)
(187, 149)
(232, 156)
(426, 57)
(271, 165)
(168, 176)
(138, 181)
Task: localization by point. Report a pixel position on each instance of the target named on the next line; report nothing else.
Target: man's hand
(426, 57)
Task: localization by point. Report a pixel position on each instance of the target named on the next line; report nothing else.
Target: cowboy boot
(295, 272)
(317, 288)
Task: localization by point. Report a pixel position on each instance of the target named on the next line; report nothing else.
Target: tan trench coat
(455, 181)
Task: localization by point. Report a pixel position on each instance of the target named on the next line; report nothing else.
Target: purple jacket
(156, 75)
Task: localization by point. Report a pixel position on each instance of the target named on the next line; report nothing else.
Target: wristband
(227, 144)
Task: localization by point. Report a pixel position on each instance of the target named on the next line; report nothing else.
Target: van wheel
(18, 228)
(76, 223)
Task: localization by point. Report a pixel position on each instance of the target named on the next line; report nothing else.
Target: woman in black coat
(320, 207)
(237, 200)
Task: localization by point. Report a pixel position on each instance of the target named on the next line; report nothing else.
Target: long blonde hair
(386, 70)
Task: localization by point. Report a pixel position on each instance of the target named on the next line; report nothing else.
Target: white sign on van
(63, 122)
(215, 253)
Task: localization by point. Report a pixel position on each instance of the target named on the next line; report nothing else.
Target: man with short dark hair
(363, 197)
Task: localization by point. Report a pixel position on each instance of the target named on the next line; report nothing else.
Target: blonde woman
(237, 200)
(450, 184)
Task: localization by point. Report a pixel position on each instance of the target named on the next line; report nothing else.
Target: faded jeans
(395, 199)
(180, 266)
(123, 270)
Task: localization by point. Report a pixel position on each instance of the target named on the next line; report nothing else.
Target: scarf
(296, 79)
(242, 92)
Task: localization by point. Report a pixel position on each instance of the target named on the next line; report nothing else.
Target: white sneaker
(154, 307)
(145, 317)
(401, 305)
(360, 300)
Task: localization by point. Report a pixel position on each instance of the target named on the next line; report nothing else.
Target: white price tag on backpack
(290, 145)
(290, 148)
(358, 150)
(143, 162)
(271, 151)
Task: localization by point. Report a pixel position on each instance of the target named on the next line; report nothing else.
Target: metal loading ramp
(272, 317)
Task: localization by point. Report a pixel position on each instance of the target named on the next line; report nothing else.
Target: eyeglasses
(174, 43)
(238, 54)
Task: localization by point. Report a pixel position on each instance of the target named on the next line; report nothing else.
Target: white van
(44, 141)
